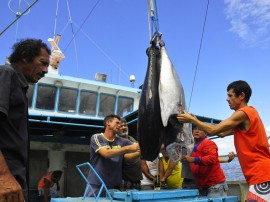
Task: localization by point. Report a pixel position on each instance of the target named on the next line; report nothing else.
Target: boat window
(29, 94)
(67, 100)
(125, 106)
(46, 97)
(88, 103)
(106, 105)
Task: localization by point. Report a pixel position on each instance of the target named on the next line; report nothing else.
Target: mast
(153, 26)
(151, 15)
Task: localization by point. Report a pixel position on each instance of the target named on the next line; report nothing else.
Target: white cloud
(250, 20)
(225, 145)
(267, 130)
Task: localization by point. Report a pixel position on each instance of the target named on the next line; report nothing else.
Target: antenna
(17, 18)
(132, 80)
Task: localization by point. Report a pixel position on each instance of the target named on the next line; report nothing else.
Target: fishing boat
(65, 111)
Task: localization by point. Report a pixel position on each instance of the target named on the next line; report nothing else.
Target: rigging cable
(153, 25)
(19, 16)
(102, 51)
(198, 57)
(55, 20)
(18, 13)
(92, 41)
(73, 37)
(82, 24)
(15, 12)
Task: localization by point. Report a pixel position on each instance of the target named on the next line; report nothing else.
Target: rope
(198, 57)
(73, 36)
(18, 17)
(18, 13)
(17, 23)
(82, 24)
(55, 19)
(70, 21)
(156, 25)
(153, 25)
(64, 29)
(103, 52)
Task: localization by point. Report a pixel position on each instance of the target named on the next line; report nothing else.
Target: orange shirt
(252, 149)
(48, 176)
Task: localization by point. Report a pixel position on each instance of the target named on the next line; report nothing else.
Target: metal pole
(151, 15)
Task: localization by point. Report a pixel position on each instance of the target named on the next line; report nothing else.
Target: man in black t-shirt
(29, 62)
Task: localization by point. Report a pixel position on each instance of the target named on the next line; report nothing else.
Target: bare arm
(108, 153)
(223, 128)
(146, 171)
(46, 190)
(187, 159)
(132, 155)
(10, 189)
(161, 171)
(226, 133)
(231, 156)
(168, 172)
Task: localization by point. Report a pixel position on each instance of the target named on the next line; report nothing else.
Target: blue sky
(113, 39)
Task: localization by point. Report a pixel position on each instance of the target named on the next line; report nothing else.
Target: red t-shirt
(47, 176)
(252, 149)
(207, 172)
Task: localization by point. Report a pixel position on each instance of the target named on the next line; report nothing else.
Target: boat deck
(153, 196)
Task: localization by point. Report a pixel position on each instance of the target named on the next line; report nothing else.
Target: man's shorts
(259, 192)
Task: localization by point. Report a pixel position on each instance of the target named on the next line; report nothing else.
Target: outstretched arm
(223, 128)
(231, 156)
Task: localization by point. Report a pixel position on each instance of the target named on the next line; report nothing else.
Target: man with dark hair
(106, 155)
(250, 139)
(131, 169)
(29, 62)
(205, 166)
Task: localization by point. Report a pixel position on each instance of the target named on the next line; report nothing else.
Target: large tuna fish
(161, 100)
(150, 125)
(172, 100)
(177, 136)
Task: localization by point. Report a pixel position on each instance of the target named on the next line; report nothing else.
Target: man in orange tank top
(250, 139)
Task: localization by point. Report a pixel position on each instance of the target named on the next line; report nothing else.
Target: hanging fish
(172, 102)
(171, 93)
(150, 127)
(161, 100)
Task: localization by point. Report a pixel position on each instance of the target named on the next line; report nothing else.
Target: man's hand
(231, 156)
(163, 180)
(134, 147)
(186, 117)
(187, 159)
(10, 189)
